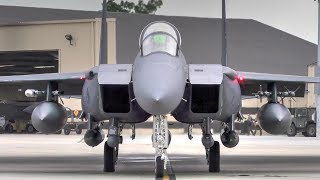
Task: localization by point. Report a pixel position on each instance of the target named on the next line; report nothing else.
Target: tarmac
(38, 156)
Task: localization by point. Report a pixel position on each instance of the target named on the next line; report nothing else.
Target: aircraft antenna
(103, 59)
(224, 53)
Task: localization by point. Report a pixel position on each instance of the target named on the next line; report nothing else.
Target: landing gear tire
(305, 134)
(78, 130)
(214, 158)
(30, 129)
(292, 131)
(159, 167)
(311, 130)
(9, 129)
(109, 158)
(1, 130)
(58, 132)
(67, 130)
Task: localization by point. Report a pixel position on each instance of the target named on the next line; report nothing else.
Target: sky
(297, 17)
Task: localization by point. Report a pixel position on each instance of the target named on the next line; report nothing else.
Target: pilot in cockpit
(160, 37)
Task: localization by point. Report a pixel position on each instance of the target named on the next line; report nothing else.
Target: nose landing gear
(160, 141)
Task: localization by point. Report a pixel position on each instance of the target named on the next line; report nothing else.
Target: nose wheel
(160, 163)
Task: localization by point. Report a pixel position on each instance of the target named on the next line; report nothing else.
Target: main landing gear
(111, 146)
(229, 139)
(161, 139)
(95, 135)
(109, 158)
(212, 147)
(213, 157)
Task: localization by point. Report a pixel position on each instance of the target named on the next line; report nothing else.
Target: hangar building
(39, 40)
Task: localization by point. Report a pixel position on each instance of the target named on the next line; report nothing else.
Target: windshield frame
(164, 22)
(164, 33)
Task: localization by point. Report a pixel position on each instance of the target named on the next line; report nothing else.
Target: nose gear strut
(160, 141)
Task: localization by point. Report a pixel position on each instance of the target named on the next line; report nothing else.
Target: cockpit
(160, 37)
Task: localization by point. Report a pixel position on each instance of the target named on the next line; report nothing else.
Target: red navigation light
(82, 78)
(240, 79)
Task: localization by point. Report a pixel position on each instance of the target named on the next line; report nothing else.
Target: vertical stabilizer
(224, 53)
(103, 59)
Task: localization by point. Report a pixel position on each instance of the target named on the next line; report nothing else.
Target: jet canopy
(160, 37)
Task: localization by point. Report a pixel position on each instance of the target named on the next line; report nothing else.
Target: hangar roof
(252, 46)
(16, 14)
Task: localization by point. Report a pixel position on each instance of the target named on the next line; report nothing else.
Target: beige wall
(111, 41)
(311, 98)
(83, 55)
(253, 103)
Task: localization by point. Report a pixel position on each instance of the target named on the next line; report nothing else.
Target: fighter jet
(159, 83)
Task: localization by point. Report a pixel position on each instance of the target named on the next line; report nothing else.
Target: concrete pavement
(59, 156)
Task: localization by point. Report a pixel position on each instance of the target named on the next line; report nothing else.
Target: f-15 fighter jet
(159, 83)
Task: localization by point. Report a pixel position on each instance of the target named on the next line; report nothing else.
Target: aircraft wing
(57, 77)
(265, 77)
(12, 88)
(248, 97)
(252, 81)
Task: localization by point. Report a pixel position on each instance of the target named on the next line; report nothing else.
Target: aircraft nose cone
(158, 88)
(155, 98)
(157, 102)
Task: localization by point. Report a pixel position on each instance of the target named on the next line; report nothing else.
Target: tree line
(149, 7)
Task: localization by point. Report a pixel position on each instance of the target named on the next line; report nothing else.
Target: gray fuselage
(160, 82)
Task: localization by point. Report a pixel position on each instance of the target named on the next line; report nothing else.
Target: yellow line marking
(166, 177)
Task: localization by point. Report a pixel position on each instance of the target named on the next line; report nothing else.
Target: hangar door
(28, 62)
